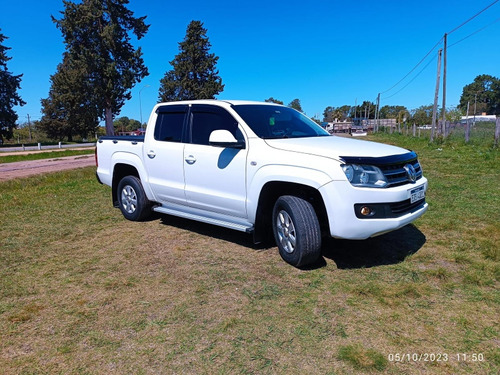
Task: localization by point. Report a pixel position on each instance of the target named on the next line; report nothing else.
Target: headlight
(364, 175)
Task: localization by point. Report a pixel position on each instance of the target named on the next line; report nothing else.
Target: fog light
(365, 211)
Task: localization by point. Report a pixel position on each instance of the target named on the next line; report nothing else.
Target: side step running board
(221, 223)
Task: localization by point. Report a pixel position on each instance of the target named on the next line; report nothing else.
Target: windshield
(272, 122)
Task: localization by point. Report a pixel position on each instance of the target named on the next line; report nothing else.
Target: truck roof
(220, 103)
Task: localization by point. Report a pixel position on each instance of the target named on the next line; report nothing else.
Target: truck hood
(335, 147)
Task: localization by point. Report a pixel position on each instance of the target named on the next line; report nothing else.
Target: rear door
(164, 155)
(215, 177)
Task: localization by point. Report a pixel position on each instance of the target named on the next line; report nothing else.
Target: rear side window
(204, 122)
(169, 125)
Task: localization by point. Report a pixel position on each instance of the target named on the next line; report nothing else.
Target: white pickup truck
(264, 169)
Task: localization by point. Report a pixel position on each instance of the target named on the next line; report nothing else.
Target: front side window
(205, 122)
(272, 122)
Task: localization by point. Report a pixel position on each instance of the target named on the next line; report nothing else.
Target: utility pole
(377, 112)
(355, 110)
(467, 129)
(29, 128)
(475, 101)
(444, 86)
(434, 110)
(497, 131)
(140, 102)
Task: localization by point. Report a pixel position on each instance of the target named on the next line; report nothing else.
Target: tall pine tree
(194, 74)
(70, 108)
(97, 38)
(295, 104)
(9, 84)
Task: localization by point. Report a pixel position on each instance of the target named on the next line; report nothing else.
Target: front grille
(396, 174)
(402, 208)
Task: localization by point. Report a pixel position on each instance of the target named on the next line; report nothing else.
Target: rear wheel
(132, 199)
(296, 231)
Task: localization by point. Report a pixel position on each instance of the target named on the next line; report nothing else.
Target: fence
(480, 131)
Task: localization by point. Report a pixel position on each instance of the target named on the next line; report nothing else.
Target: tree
(9, 84)
(26, 131)
(391, 111)
(340, 113)
(422, 115)
(331, 114)
(484, 93)
(97, 36)
(295, 104)
(126, 124)
(316, 120)
(70, 108)
(345, 112)
(194, 74)
(453, 114)
(365, 110)
(272, 100)
(328, 114)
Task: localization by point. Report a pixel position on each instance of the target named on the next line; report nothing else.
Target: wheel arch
(270, 193)
(120, 171)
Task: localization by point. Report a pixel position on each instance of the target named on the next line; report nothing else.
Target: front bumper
(368, 211)
(392, 208)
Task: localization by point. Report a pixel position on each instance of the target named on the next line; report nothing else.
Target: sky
(325, 53)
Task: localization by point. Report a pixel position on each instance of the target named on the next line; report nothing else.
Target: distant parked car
(358, 132)
(138, 132)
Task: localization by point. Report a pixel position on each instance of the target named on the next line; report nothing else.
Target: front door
(215, 177)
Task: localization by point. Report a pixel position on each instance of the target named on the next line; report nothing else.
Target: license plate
(417, 194)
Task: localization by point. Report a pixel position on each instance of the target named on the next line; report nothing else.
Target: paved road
(10, 171)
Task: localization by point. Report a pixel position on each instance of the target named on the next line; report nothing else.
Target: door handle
(151, 154)
(190, 159)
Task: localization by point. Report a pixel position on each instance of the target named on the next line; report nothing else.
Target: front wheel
(296, 231)
(132, 199)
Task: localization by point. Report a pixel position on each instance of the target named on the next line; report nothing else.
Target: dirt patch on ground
(10, 171)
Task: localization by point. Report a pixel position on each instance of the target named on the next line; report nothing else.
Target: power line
(474, 16)
(415, 67)
(475, 32)
(433, 48)
(397, 92)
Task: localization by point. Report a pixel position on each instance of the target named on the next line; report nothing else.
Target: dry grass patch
(84, 291)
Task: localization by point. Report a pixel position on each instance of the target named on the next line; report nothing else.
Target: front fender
(281, 173)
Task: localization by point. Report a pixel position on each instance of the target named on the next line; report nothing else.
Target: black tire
(132, 199)
(296, 231)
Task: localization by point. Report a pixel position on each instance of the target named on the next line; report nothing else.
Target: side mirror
(224, 138)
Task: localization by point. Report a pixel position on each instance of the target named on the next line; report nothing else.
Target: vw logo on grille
(410, 172)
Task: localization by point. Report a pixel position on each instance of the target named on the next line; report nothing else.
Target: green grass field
(83, 291)
(44, 155)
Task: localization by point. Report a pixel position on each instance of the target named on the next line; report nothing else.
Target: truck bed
(117, 138)
(126, 149)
